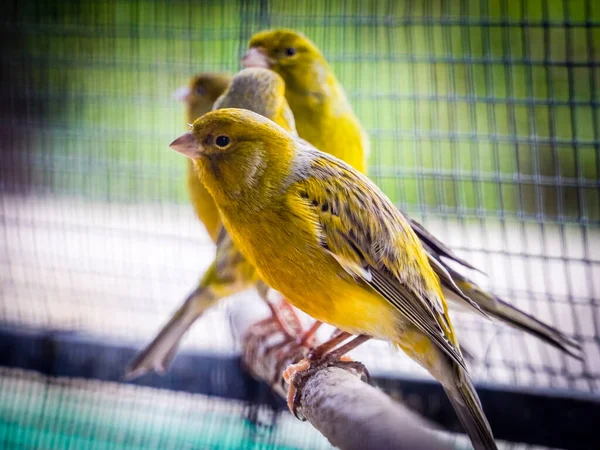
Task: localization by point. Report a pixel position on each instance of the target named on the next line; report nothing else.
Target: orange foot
(296, 375)
(289, 375)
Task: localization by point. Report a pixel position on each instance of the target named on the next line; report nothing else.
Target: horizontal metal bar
(426, 20)
(472, 99)
(72, 130)
(68, 354)
(144, 64)
(565, 419)
(497, 178)
(174, 31)
(107, 97)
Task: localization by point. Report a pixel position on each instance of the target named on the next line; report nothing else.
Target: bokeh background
(485, 125)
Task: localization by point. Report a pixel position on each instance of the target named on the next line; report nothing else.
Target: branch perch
(350, 413)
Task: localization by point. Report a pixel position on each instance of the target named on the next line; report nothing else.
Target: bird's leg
(286, 318)
(296, 375)
(309, 334)
(278, 323)
(336, 354)
(283, 314)
(337, 338)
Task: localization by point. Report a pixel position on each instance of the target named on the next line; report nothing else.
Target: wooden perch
(350, 413)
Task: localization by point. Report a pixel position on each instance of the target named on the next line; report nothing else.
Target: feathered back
(262, 91)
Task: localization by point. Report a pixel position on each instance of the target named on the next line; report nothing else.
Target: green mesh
(484, 122)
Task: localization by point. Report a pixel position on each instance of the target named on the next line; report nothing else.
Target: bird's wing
(437, 247)
(448, 278)
(373, 242)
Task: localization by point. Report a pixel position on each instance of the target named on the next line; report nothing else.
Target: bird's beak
(257, 57)
(182, 94)
(187, 145)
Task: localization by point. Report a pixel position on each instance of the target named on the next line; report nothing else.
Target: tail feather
(229, 274)
(501, 310)
(434, 246)
(466, 403)
(523, 321)
(457, 286)
(159, 354)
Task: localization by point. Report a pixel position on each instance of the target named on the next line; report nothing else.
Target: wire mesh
(484, 122)
(42, 412)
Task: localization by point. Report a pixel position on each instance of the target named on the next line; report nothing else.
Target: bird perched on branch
(328, 239)
(262, 91)
(325, 118)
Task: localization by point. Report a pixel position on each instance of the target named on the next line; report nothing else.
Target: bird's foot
(284, 318)
(270, 339)
(297, 375)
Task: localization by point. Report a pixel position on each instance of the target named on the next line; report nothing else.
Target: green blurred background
(473, 107)
(484, 117)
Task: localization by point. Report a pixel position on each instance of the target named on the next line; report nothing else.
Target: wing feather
(371, 240)
(437, 247)
(448, 282)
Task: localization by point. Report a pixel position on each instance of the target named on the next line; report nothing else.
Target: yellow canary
(325, 118)
(323, 114)
(326, 237)
(262, 91)
(199, 97)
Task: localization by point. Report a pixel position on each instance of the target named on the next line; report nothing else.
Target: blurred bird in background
(325, 118)
(199, 97)
(328, 239)
(262, 91)
(323, 114)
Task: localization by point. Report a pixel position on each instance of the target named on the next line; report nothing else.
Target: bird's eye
(222, 141)
(290, 51)
(200, 90)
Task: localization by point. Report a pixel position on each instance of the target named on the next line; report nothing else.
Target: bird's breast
(288, 257)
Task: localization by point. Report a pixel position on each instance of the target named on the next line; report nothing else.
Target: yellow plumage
(199, 97)
(327, 238)
(323, 114)
(262, 91)
(324, 118)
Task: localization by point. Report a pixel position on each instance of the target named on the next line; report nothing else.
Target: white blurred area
(119, 270)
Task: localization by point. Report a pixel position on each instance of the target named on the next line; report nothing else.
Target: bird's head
(202, 92)
(232, 149)
(292, 55)
(262, 91)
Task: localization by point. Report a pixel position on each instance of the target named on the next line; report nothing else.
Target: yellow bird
(203, 90)
(327, 238)
(262, 91)
(325, 118)
(323, 114)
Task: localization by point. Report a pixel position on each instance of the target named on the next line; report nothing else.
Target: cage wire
(484, 123)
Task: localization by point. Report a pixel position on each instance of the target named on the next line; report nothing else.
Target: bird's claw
(297, 375)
